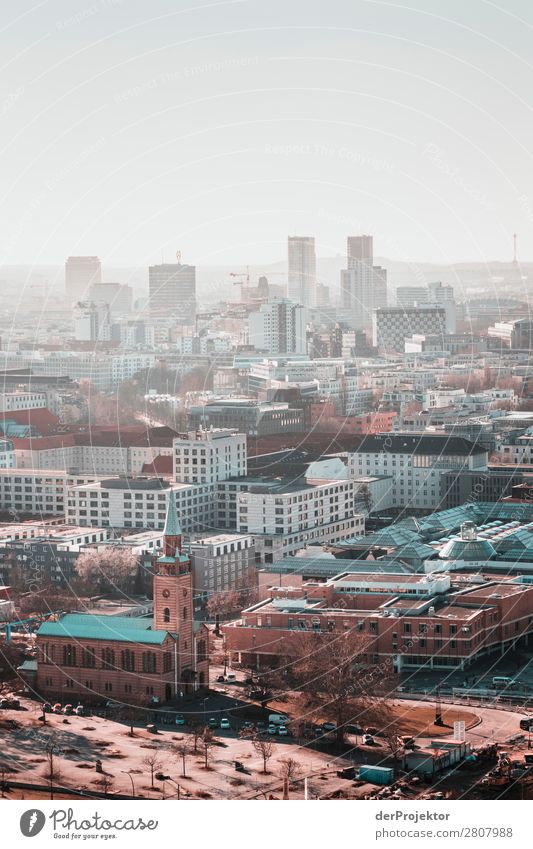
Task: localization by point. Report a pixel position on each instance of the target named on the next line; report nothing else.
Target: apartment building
(140, 503)
(37, 493)
(222, 562)
(415, 463)
(284, 515)
(208, 456)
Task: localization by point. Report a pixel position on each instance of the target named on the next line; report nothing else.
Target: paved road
(497, 725)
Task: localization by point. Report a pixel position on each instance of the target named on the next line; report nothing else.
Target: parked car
(329, 726)
(368, 740)
(57, 708)
(220, 679)
(354, 729)
(225, 724)
(231, 678)
(213, 722)
(272, 729)
(4, 704)
(68, 710)
(80, 710)
(180, 719)
(283, 731)
(371, 730)
(47, 707)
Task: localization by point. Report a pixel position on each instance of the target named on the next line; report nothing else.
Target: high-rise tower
(302, 270)
(81, 272)
(363, 284)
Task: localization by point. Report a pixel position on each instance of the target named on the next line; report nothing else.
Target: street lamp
(131, 779)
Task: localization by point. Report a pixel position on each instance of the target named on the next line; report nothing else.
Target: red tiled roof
(162, 465)
(41, 443)
(41, 419)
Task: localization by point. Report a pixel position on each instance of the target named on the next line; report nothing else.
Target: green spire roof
(172, 524)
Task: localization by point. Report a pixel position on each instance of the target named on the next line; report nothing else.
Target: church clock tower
(173, 594)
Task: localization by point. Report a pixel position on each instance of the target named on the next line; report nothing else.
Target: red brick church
(89, 658)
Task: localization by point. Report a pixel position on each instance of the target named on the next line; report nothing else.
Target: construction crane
(243, 277)
(241, 274)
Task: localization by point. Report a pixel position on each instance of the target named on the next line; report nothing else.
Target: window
(184, 613)
(108, 659)
(127, 660)
(69, 655)
(88, 658)
(149, 661)
(166, 614)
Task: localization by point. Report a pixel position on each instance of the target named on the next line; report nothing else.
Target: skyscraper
(81, 272)
(363, 284)
(172, 288)
(302, 270)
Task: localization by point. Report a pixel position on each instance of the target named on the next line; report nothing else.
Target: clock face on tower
(166, 593)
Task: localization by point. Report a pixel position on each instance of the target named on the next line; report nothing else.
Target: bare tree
(153, 762)
(182, 750)
(264, 747)
(113, 567)
(5, 770)
(52, 771)
(208, 741)
(197, 733)
(289, 769)
(224, 604)
(106, 783)
(334, 674)
(393, 741)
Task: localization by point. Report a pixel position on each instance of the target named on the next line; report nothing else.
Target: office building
(363, 284)
(302, 270)
(118, 297)
(81, 272)
(172, 292)
(391, 326)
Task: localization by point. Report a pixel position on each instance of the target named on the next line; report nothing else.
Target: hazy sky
(131, 127)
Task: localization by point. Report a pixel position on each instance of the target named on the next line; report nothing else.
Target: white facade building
(415, 464)
(208, 456)
(36, 492)
(279, 327)
(140, 503)
(13, 401)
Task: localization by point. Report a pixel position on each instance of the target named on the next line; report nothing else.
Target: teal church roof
(172, 524)
(90, 626)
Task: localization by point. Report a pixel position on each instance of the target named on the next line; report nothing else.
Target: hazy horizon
(220, 129)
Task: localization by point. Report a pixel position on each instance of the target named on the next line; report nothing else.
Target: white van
(278, 719)
(502, 681)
